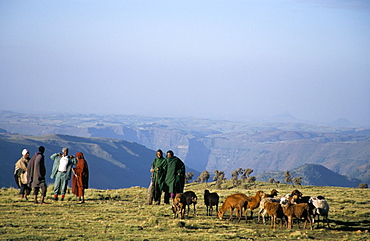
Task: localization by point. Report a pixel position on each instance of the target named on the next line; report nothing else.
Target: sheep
(275, 211)
(273, 194)
(210, 200)
(234, 201)
(244, 206)
(302, 199)
(291, 210)
(254, 201)
(296, 192)
(191, 198)
(298, 198)
(262, 212)
(179, 203)
(321, 208)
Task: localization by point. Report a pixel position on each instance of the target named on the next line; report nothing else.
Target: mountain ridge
(312, 174)
(217, 145)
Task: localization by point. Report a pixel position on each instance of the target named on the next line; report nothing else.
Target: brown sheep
(301, 210)
(299, 198)
(275, 211)
(210, 200)
(191, 198)
(234, 201)
(254, 201)
(179, 203)
(246, 199)
(262, 212)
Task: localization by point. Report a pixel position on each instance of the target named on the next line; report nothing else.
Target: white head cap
(24, 152)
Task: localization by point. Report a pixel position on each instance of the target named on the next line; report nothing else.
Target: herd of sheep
(286, 208)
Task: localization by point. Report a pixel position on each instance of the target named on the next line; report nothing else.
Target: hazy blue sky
(213, 59)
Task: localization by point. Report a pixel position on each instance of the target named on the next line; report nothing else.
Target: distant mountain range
(312, 174)
(113, 163)
(217, 144)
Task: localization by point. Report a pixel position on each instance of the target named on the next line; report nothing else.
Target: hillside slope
(312, 174)
(113, 163)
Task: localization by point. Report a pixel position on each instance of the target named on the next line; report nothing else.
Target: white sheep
(321, 208)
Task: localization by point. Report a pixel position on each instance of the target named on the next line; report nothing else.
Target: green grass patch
(122, 215)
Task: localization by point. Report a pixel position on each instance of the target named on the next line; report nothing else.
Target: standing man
(36, 174)
(175, 176)
(158, 171)
(62, 169)
(20, 174)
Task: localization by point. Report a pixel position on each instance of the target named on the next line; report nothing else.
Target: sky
(217, 59)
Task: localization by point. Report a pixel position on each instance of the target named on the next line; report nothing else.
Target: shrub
(363, 185)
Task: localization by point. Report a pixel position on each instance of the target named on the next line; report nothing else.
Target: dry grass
(122, 215)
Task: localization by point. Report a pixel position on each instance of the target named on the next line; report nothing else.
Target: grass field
(122, 215)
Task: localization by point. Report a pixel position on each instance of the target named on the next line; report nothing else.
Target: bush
(362, 185)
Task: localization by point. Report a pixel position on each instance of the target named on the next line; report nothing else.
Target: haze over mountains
(215, 144)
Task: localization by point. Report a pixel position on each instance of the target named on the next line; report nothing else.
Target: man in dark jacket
(158, 170)
(175, 176)
(36, 172)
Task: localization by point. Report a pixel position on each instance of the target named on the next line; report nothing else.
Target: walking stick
(155, 184)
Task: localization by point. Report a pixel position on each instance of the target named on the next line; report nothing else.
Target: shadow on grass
(362, 225)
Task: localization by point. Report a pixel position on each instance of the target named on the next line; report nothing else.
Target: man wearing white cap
(62, 169)
(20, 174)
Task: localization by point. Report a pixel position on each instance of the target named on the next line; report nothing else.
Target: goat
(179, 203)
(262, 212)
(291, 210)
(234, 201)
(321, 208)
(275, 211)
(191, 198)
(210, 200)
(254, 201)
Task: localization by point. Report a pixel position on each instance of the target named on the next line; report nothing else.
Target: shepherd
(158, 170)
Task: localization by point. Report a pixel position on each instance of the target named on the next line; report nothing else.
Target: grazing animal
(297, 193)
(262, 212)
(273, 193)
(302, 199)
(234, 201)
(275, 211)
(244, 206)
(301, 210)
(254, 201)
(299, 198)
(321, 208)
(210, 200)
(191, 198)
(179, 203)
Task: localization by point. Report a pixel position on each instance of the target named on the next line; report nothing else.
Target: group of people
(168, 177)
(30, 174)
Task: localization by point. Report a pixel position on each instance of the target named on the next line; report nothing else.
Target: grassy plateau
(122, 215)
